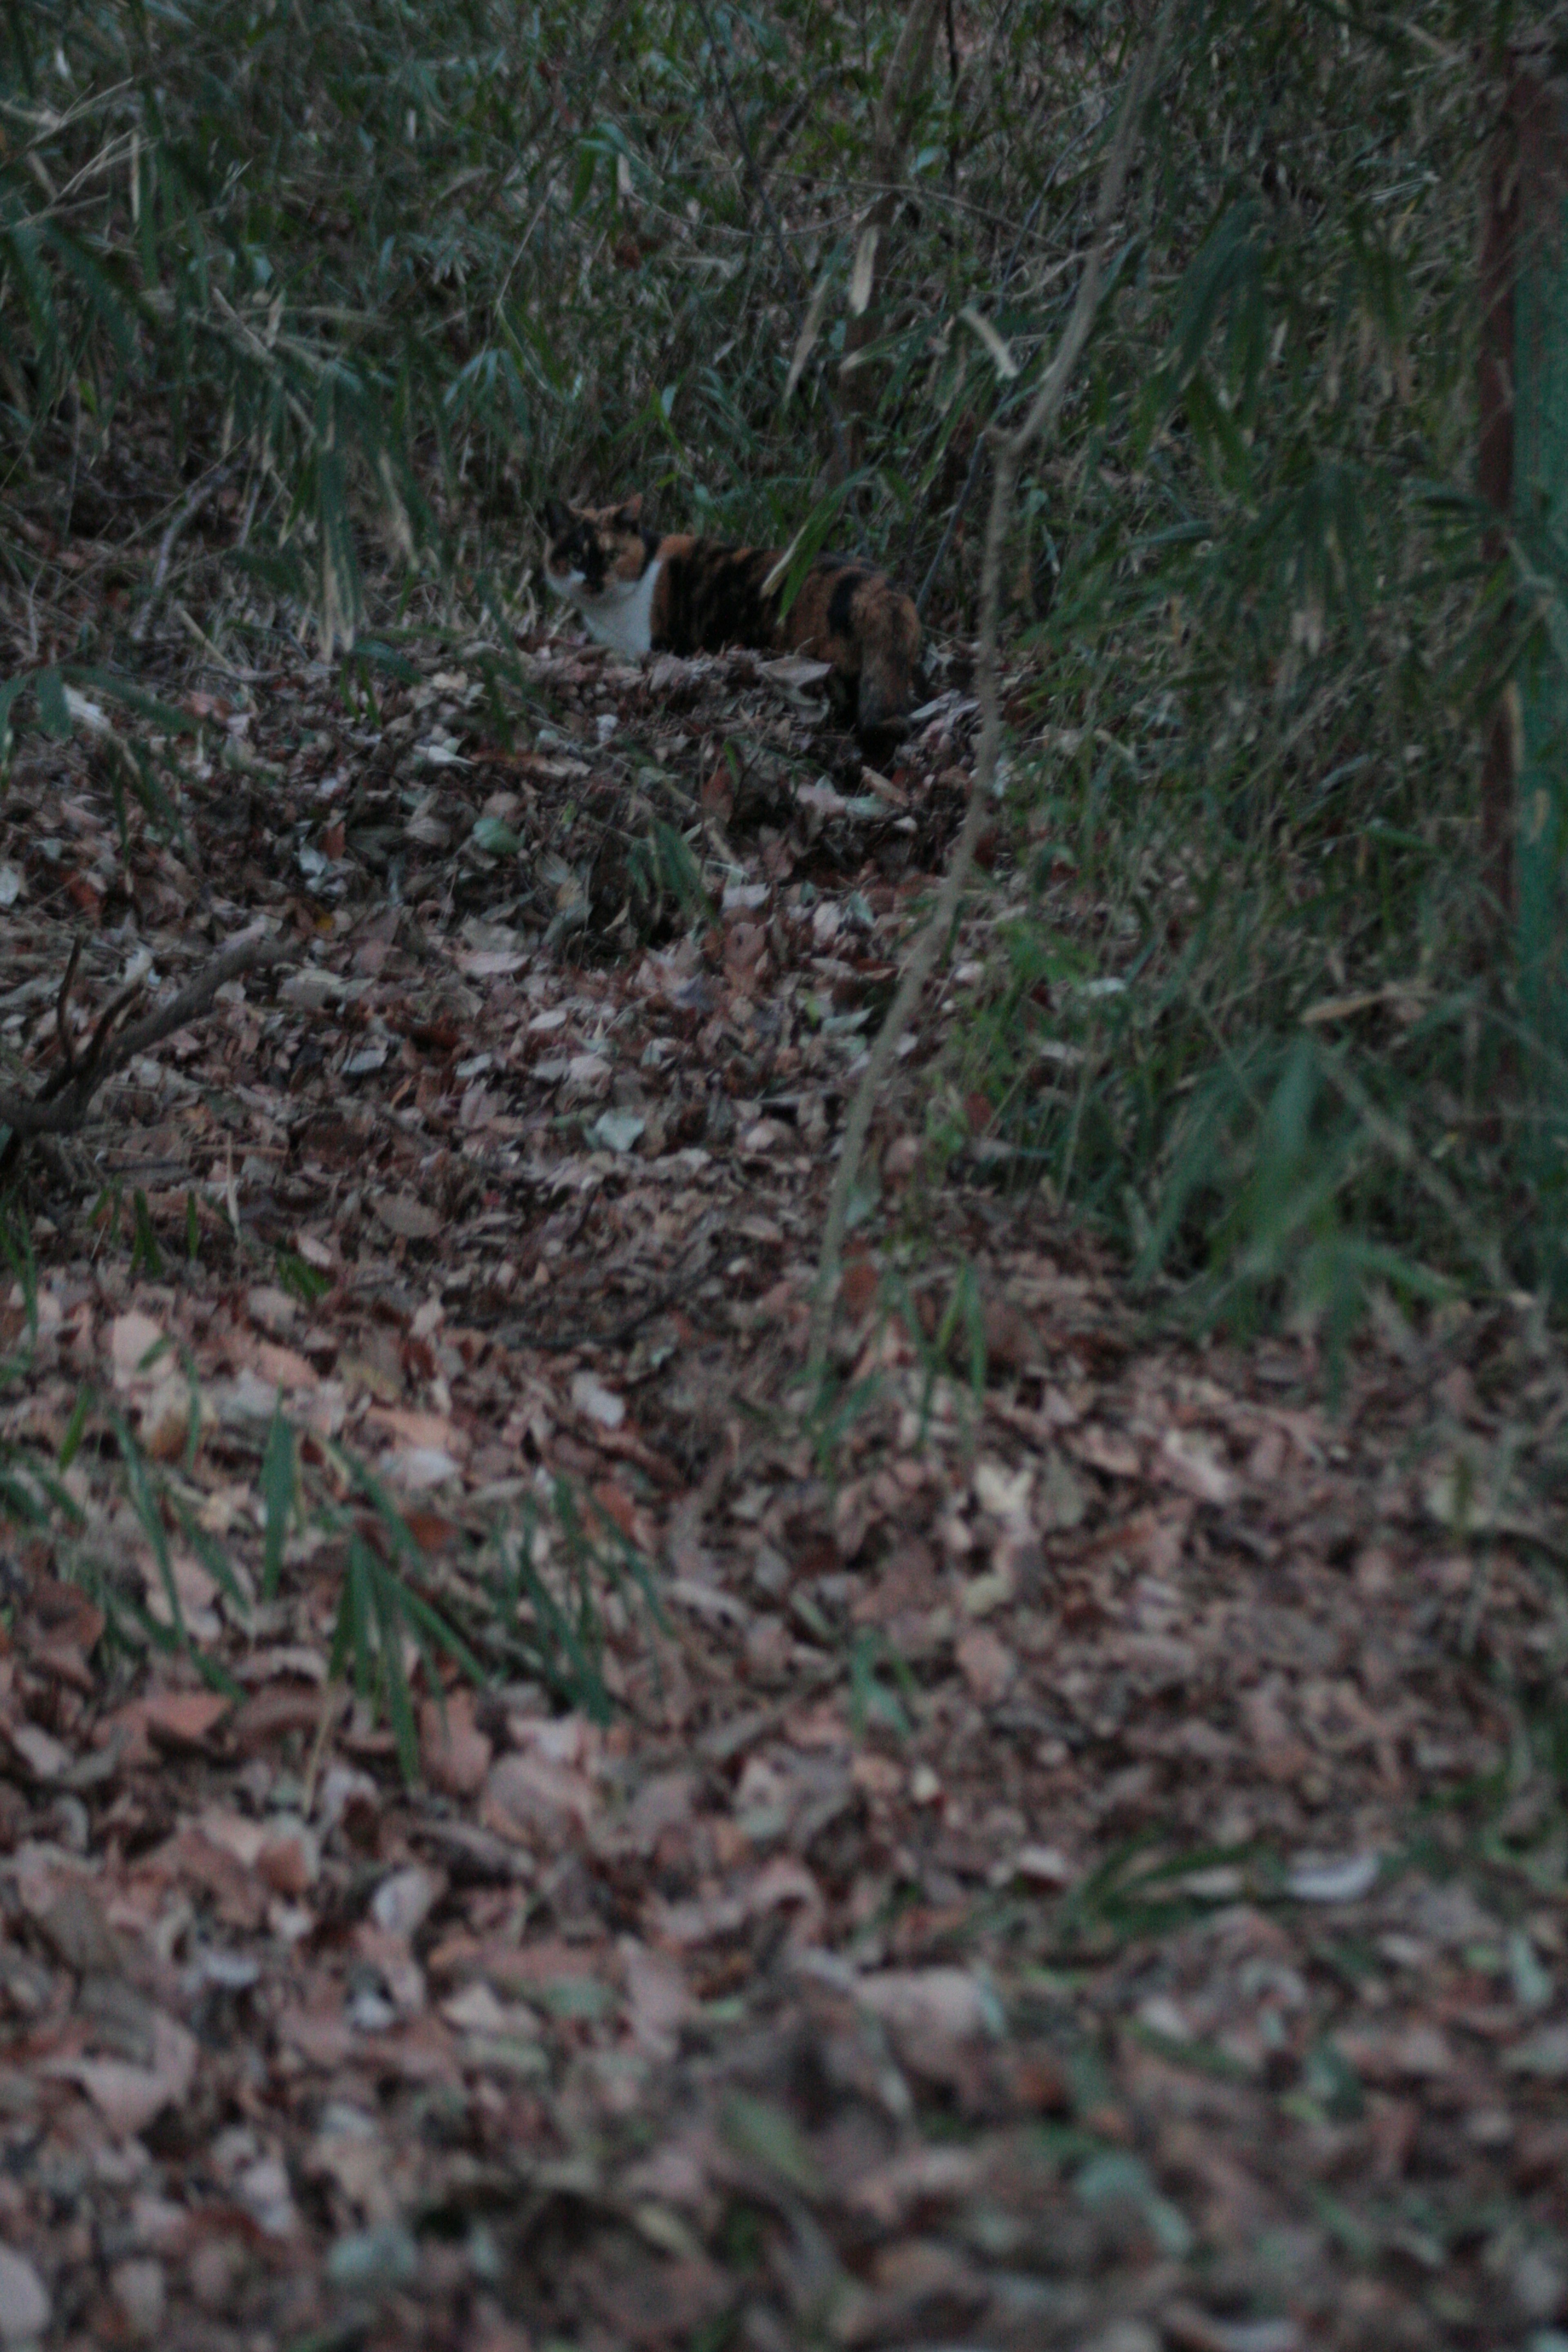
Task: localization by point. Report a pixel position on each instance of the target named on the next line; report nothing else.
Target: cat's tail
(889, 653)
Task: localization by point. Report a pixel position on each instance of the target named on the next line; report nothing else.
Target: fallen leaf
(1313, 1879)
(531, 1797)
(617, 1130)
(1543, 2054)
(132, 1337)
(44, 1757)
(659, 2001)
(947, 2003)
(986, 1664)
(288, 1858)
(1192, 1462)
(923, 2176)
(185, 1718)
(454, 1754)
(409, 1219)
(131, 2097)
(405, 1899)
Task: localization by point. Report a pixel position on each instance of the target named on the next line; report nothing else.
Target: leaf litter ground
(1063, 1847)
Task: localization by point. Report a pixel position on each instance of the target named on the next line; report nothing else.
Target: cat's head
(592, 549)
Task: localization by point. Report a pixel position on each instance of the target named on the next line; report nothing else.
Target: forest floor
(1063, 1846)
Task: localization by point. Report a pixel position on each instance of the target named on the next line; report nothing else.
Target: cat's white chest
(621, 614)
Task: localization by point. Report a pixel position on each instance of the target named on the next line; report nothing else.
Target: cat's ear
(628, 516)
(557, 518)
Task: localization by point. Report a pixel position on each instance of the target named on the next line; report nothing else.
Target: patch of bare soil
(1061, 1845)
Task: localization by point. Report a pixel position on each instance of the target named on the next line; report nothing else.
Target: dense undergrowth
(304, 310)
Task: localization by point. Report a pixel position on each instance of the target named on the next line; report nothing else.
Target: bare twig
(61, 1105)
(1008, 452)
(62, 1004)
(214, 654)
(82, 1068)
(515, 1333)
(200, 495)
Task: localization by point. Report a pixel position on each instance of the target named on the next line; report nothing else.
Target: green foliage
(529, 1597)
(341, 294)
(663, 872)
(380, 1610)
(548, 1573)
(306, 1282)
(1140, 1891)
(145, 1256)
(1251, 1012)
(279, 1499)
(388, 277)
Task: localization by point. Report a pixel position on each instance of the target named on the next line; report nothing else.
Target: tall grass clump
(1257, 1014)
(304, 310)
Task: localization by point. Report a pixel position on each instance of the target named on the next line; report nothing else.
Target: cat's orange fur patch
(702, 595)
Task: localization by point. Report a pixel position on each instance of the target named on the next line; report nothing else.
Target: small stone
(1544, 2054)
(138, 2289)
(1126, 2335)
(213, 2269)
(23, 2300)
(1538, 2285)
(386, 2256)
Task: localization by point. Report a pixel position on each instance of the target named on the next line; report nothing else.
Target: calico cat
(640, 593)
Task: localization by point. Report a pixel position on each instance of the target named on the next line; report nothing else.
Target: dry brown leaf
(454, 1755)
(185, 1718)
(131, 2097)
(409, 1219)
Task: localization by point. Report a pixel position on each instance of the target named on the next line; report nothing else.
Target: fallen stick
(61, 1103)
(1009, 451)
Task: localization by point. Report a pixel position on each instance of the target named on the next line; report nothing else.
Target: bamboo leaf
(54, 715)
(1006, 366)
(811, 327)
(863, 276)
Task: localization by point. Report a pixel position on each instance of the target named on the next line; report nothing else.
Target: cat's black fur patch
(705, 595)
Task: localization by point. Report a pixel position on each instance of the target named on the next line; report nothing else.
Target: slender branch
(1008, 452)
(61, 1106)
